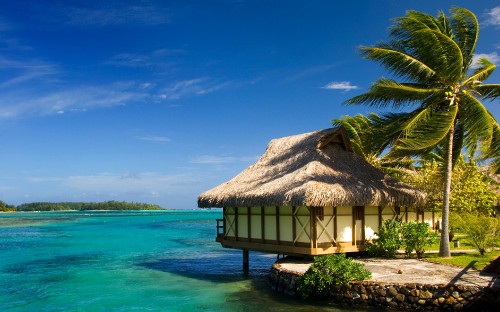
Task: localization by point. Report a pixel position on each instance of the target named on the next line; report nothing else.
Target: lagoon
(130, 261)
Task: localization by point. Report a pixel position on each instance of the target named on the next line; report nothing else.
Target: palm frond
(427, 129)
(436, 156)
(439, 52)
(444, 24)
(481, 73)
(398, 61)
(386, 92)
(488, 91)
(413, 21)
(476, 119)
(492, 152)
(353, 131)
(466, 31)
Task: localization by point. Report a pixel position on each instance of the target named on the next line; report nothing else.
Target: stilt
(246, 261)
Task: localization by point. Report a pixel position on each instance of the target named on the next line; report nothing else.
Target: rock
(458, 307)
(441, 300)
(381, 292)
(421, 301)
(400, 297)
(415, 292)
(425, 294)
(400, 271)
(455, 295)
(404, 291)
(450, 300)
(392, 291)
(348, 295)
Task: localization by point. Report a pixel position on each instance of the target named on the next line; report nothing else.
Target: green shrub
(327, 272)
(388, 241)
(415, 237)
(483, 232)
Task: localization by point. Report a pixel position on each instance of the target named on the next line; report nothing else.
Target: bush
(388, 241)
(415, 237)
(483, 232)
(327, 272)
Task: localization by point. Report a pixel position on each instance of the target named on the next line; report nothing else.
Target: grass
(472, 259)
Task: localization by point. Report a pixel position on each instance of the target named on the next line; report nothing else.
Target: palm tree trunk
(444, 246)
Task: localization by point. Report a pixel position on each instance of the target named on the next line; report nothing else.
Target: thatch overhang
(311, 169)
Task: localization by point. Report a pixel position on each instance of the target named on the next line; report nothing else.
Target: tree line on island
(79, 206)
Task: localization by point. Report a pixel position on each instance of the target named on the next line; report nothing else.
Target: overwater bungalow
(308, 195)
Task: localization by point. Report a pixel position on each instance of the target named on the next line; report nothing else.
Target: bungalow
(309, 195)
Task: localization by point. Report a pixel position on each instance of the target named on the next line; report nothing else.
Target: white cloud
(493, 17)
(198, 86)
(492, 57)
(18, 104)
(343, 85)
(21, 71)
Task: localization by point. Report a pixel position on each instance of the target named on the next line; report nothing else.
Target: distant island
(80, 206)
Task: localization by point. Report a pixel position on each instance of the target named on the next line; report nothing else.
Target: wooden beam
(236, 234)
(294, 225)
(249, 223)
(312, 229)
(278, 224)
(379, 216)
(353, 238)
(335, 223)
(263, 223)
(363, 225)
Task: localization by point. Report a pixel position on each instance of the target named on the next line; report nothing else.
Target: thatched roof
(311, 169)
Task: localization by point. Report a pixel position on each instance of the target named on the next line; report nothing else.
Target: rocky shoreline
(456, 295)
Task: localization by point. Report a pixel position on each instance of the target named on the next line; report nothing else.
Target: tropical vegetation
(108, 205)
(5, 207)
(482, 232)
(416, 237)
(394, 235)
(472, 190)
(388, 240)
(444, 87)
(329, 271)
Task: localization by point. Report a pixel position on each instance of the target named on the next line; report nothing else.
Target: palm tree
(443, 87)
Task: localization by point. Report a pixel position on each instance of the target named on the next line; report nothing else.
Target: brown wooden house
(309, 194)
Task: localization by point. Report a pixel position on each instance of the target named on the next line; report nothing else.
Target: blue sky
(158, 101)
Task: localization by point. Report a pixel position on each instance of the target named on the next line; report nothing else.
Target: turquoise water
(129, 261)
